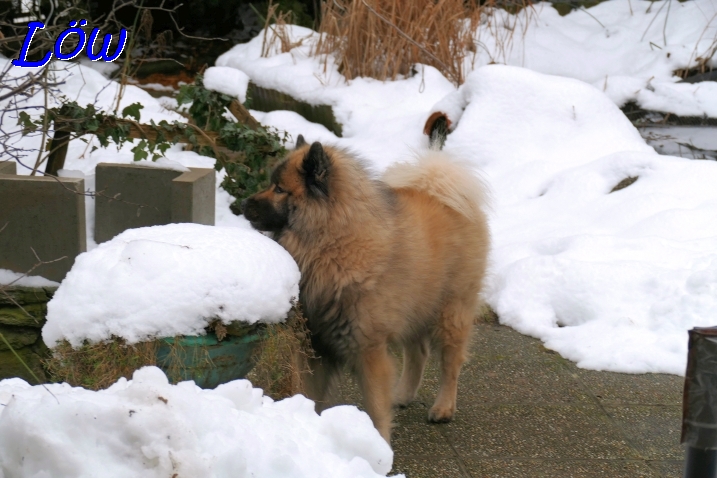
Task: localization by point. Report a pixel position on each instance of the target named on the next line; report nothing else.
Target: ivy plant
(246, 153)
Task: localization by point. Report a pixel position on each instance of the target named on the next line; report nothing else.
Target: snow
(612, 281)
(629, 49)
(147, 428)
(17, 279)
(229, 81)
(171, 280)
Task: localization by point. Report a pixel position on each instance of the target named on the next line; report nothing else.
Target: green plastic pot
(207, 360)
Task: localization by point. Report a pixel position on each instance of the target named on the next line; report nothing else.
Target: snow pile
(171, 280)
(148, 428)
(228, 81)
(629, 49)
(611, 280)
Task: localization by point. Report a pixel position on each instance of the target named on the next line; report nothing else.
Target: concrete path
(524, 411)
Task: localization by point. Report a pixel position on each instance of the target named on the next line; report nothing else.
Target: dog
(399, 260)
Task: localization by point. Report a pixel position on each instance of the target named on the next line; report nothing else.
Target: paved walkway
(524, 411)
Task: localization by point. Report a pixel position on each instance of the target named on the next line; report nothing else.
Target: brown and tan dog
(400, 260)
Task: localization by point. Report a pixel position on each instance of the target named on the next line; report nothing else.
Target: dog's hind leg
(376, 378)
(415, 355)
(454, 337)
(323, 382)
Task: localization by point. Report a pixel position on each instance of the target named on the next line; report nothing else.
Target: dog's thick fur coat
(400, 260)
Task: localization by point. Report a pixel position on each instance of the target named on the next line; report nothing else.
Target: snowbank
(228, 81)
(148, 428)
(611, 280)
(171, 280)
(629, 49)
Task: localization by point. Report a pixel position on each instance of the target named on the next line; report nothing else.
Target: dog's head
(302, 177)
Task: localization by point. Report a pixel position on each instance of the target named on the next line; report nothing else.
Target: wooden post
(58, 151)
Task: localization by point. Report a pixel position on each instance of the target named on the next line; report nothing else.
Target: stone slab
(194, 196)
(26, 295)
(624, 389)
(43, 214)
(132, 196)
(525, 411)
(30, 315)
(8, 167)
(536, 432)
(521, 468)
(654, 430)
(18, 337)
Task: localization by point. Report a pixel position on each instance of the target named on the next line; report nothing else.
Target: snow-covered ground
(611, 279)
(628, 49)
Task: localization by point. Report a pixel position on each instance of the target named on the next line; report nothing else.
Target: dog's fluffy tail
(438, 174)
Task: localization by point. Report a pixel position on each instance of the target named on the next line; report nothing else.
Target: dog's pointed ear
(316, 167)
(300, 141)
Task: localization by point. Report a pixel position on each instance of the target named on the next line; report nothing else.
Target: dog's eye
(278, 190)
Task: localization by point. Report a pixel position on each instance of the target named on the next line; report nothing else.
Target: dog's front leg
(376, 378)
(322, 382)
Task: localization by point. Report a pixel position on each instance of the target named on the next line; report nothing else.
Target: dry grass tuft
(383, 39)
(280, 367)
(97, 366)
(281, 364)
(276, 37)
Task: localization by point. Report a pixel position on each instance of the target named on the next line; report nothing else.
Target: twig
(593, 16)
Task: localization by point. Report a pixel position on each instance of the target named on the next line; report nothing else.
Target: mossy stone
(18, 316)
(26, 295)
(18, 337)
(11, 367)
(266, 99)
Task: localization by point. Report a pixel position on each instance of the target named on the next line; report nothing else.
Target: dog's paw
(402, 402)
(440, 414)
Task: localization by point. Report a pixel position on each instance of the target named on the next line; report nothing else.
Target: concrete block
(8, 167)
(131, 196)
(43, 214)
(194, 196)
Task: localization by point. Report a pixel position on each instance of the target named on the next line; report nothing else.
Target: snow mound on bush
(171, 280)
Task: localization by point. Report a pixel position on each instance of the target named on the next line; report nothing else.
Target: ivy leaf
(140, 151)
(163, 147)
(133, 111)
(24, 120)
(92, 124)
